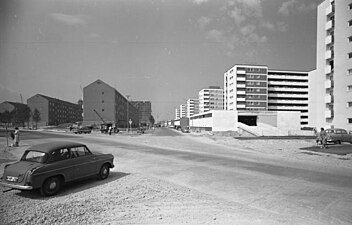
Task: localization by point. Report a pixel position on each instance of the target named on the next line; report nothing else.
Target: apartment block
(288, 91)
(211, 99)
(192, 107)
(256, 88)
(103, 103)
(246, 88)
(183, 110)
(144, 111)
(54, 111)
(177, 114)
(330, 85)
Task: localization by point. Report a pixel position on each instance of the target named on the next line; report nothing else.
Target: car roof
(50, 146)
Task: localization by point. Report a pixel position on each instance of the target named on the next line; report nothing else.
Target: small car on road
(338, 135)
(49, 166)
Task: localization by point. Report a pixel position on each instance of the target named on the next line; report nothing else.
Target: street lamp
(127, 118)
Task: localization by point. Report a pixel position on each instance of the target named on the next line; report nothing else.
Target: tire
(51, 186)
(104, 172)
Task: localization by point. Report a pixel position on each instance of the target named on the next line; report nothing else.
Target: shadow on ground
(74, 187)
(342, 149)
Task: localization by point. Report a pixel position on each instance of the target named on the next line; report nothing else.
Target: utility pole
(127, 118)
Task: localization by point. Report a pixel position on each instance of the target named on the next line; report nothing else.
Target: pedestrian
(322, 138)
(110, 129)
(17, 137)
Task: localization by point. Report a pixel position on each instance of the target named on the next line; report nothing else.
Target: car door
(85, 162)
(60, 163)
(345, 137)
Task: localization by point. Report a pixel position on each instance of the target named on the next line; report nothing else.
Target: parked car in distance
(338, 135)
(49, 166)
(83, 130)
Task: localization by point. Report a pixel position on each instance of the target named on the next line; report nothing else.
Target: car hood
(18, 169)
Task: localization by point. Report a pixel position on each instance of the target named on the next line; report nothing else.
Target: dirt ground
(130, 197)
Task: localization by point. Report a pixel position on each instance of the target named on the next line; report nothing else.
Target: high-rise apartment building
(192, 107)
(246, 88)
(183, 110)
(256, 88)
(330, 85)
(211, 99)
(177, 114)
(288, 91)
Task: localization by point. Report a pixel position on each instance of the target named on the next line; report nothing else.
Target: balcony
(241, 106)
(241, 99)
(328, 99)
(328, 84)
(241, 85)
(329, 25)
(328, 69)
(328, 114)
(241, 72)
(241, 92)
(241, 78)
(329, 10)
(328, 54)
(328, 40)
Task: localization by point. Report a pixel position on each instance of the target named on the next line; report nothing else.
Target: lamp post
(127, 118)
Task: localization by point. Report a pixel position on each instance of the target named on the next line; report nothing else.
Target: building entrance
(248, 120)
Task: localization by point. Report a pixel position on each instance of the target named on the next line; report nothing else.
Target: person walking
(322, 138)
(16, 137)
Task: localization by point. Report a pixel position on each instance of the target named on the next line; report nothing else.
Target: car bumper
(16, 186)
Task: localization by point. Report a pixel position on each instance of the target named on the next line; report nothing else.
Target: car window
(34, 156)
(59, 154)
(79, 151)
(343, 132)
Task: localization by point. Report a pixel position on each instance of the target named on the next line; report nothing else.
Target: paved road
(319, 194)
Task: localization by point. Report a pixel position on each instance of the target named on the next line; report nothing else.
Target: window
(349, 55)
(349, 120)
(349, 72)
(350, 23)
(349, 104)
(59, 154)
(350, 6)
(79, 151)
(349, 39)
(349, 88)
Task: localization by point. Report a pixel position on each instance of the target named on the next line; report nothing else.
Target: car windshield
(35, 156)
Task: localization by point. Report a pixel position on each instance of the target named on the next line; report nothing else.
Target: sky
(163, 51)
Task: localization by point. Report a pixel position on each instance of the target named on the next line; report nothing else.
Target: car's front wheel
(51, 186)
(104, 172)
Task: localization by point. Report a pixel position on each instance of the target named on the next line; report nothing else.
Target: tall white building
(256, 88)
(330, 85)
(211, 99)
(246, 88)
(183, 110)
(192, 107)
(177, 114)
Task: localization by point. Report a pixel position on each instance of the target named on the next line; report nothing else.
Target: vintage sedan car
(49, 166)
(83, 130)
(337, 135)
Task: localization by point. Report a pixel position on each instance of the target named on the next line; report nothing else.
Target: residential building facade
(183, 110)
(103, 103)
(246, 88)
(256, 88)
(54, 111)
(192, 107)
(177, 114)
(330, 85)
(288, 91)
(144, 111)
(211, 99)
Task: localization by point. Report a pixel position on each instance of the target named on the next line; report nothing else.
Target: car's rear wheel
(51, 186)
(104, 172)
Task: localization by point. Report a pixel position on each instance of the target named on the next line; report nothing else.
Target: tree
(36, 117)
(152, 120)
